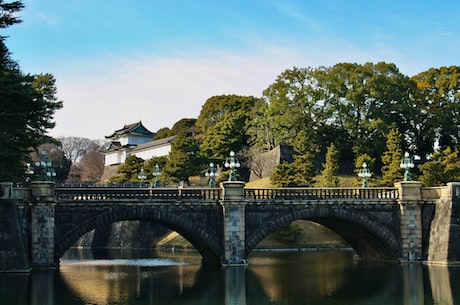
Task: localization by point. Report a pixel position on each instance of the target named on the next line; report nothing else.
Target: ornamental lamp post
(212, 173)
(142, 176)
(407, 164)
(157, 173)
(232, 163)
(364, 173)
(45, 167)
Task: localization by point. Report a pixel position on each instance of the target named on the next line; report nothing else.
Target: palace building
(135, 139)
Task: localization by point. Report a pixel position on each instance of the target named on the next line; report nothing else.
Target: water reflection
(271, 278)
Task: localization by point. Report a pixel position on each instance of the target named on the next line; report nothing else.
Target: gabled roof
(131, 129)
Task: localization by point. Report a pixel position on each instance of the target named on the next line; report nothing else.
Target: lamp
(157, 173)
(364, 173)
(212, 173)
(407, 164)
(45, 167)
(232, 163)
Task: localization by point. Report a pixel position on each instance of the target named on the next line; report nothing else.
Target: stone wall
(13, 257)
(444, 244)
(270, 159)
(130, 234)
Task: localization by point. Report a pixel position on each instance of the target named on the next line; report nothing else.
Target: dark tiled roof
(134, 128)
(156, 143)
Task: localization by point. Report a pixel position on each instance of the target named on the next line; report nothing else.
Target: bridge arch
(369, 238)
(202, 237)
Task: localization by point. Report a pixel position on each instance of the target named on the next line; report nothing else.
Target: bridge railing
(111, 193)
(321, 193)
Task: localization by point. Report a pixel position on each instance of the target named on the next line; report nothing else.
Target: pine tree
(443, 167)
(391, 159)
(329, 175)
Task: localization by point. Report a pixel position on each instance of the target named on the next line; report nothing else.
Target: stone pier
(234, 210)
(411, 219)
(43, 225)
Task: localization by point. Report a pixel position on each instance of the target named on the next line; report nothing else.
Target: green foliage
(391, 159)
(223, 122)
(301, 172)
(184, 160)
(283, 175)
(329, 175)
(288, 233)
(184, 127)
(27, 107)
(8, 13)
(356, 105)
(443, 167)
(439, 104)
(129, 170)
(162, 133)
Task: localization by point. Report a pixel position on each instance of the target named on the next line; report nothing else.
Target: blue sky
(119, 62)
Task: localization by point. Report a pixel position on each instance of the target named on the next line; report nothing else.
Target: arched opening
(303, 234)
(369, 239)
(205, 243)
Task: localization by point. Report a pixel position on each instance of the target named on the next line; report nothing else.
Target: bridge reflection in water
(271, 278)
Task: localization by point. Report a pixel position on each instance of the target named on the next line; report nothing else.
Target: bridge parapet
(321, 193)
(82, 194)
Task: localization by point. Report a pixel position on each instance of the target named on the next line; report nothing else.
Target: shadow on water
(271, 278)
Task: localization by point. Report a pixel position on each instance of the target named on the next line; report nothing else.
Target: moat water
(287, 278)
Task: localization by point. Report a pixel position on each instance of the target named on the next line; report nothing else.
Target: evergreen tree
(283, 175)
(184, 159)
(443, 167)
(8, 13)
(27, 106)
(329, 175)
(129, 170)
(305, 171)
(301, 172)
(391, 159)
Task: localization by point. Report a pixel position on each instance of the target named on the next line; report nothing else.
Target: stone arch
(201, 237)
(369, 239)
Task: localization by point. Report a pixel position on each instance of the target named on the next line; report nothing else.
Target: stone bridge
(404, 223)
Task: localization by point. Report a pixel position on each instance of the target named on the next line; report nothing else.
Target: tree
(329, 175)
(8, 12)
(294, 105)
(27, 106)
(184, 159)
(301, 172)
(351, 104)
(223, 123)
(443, 167)
(440, 101)
(75, 148)
(391, 159)
(283, 175)
(54, 154)
(89, 168)
(129, 170)
(162, 133)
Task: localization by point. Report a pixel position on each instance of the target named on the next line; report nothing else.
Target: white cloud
(158, 91)
(103, 94)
